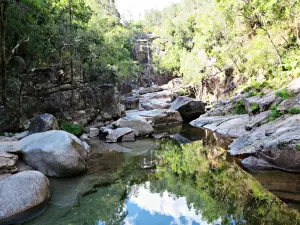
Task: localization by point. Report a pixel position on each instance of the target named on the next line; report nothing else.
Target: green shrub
(182, 92)
(255, 93)
(254, 107)
(298, 146)
(274, 114)
(256, 86)
(283, 94)
(71, 128)
(294, 111)
(240, 107)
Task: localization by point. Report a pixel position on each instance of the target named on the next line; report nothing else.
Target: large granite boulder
(43, 123)
(23, 196)
(275, 143)
(156, 117)
(142, 126)
(188, 108)
(54, 153)
(231, 126)
(157, 100)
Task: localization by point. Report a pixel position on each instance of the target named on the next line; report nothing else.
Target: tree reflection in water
(216, 188)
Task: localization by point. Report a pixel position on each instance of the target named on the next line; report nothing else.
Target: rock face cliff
(49, 90)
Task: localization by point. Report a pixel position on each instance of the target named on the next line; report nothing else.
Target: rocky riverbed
(154, 113)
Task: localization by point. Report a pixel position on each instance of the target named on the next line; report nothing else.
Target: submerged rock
(23, 196)
(54, 153)
(188, 108)
(43, 123)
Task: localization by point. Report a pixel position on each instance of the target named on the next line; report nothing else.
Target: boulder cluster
(267, 133)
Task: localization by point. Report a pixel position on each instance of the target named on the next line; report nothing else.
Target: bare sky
(136, 8)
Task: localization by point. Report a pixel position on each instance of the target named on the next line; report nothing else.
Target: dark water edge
(159, 181)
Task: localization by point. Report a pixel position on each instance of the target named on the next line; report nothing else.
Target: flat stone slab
(232, 126)
(10, 147)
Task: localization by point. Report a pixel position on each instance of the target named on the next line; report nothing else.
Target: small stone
(93, 132)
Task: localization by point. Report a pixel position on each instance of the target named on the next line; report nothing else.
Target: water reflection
(146, 207)
(192, 184)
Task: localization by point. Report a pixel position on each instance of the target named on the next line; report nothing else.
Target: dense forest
(199, 39)
(88, 32)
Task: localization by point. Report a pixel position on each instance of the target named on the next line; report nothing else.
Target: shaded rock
(86, 147)
(131, 102)
(294, 86)
(188, 108)
(128, 137)
(8, 163)
(142, 126)
(253, 163)
(114, 135)
(43, 123)
(23, 196)
(54, 153)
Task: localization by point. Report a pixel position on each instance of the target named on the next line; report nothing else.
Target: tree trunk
(71, 54)
(3, 13)
(297, 26)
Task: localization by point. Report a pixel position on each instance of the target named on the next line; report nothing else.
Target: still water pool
(183, 178)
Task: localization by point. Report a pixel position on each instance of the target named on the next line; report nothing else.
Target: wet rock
(8, 163)
(114, 135)
(294, 86)
(43, 123)
(93, 132)
(253, 163)
(54, 153)
(22, 196)
(188, 108)
(142, 126)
